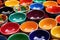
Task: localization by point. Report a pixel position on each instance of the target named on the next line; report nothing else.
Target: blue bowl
(2, 37)
(17, 17)
(39, 35)
(36, 6)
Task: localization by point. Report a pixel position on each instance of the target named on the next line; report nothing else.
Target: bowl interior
(17, 17)
(18, 36)
(36, 6)
(29, 26)
(9, 28)
(6, 10)
(47, 23)
(39, 34)
(35, 14)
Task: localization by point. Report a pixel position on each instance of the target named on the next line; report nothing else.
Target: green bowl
(17, 17)
(18, 36)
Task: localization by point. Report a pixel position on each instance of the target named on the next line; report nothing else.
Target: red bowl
(9, 28)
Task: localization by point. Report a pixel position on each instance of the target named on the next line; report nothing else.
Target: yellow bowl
(11, 3)
(56, 31)
(50, 3)
(47, 23)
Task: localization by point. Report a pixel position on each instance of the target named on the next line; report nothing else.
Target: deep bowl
(9, 28)
(39, 35)
(17, 17)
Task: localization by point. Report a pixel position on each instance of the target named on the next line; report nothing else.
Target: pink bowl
(9, 28)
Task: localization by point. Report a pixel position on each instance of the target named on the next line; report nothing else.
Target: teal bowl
(17, 17)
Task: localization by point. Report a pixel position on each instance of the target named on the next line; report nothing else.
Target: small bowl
(36, 6)
(2, 37)
(35, 15)
(58, 19)
(47, 23)
(50, 3)
(39, 1)
(55, 32)
(9, 28)
(39, 35)
(6, 10)
(26, 2)
(29, 26)
(3, 19)
(17, 17)
(53, 11)
(18, 36)
(11, 3)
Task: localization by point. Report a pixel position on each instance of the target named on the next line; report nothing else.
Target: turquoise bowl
(17, 17)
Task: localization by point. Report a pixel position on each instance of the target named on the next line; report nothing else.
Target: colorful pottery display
(9, 28)
(29, 26)
(29, 19)
(47, 23)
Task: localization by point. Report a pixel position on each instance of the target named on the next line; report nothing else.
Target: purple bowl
(35, 15)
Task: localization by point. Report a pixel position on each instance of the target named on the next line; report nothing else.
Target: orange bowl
(47, 23)
(29, 26)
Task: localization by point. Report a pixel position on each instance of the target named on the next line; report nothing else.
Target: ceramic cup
(3, 19)
(35, 15)
(6, 10)
(53, 11)
(17, 17)
(39, 35)
(2, 37)
(9, 28)
(55, 32)
(50, 3)
(39, 1)
(18, 36)
(47, 23)
(29, 26)
(36, 6)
